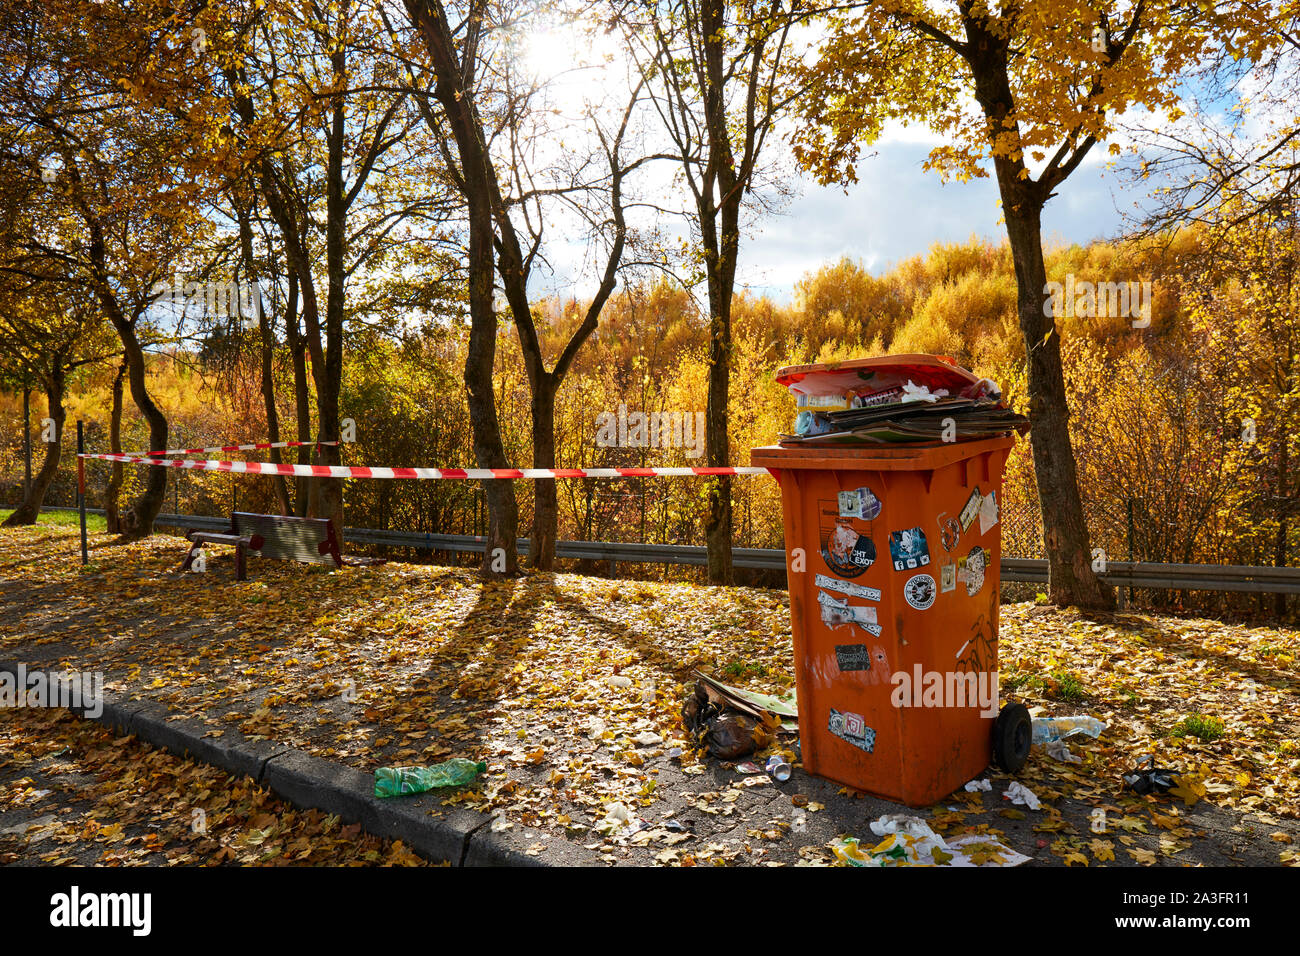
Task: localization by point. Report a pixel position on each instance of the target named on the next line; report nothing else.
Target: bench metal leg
(241, 571)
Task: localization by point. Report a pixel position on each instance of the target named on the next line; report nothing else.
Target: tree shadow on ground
(1277, 678)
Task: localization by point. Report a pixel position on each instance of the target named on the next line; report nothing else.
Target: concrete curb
(460, 836)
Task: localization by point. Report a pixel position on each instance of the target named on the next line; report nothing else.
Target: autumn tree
(1245, 311)
(48, 330)
(1047, 82)
(118, 206)
(313, 115)
(536, 195)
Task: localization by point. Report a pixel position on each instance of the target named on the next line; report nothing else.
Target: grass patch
(1201, 727)
(739, 670)
(1016, 680)
(1065, 686)
(95, 524)
(1129, 697)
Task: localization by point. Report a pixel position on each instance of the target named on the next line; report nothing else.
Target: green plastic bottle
(403, 781)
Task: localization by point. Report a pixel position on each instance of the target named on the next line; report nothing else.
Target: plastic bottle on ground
(1047, 729)
(402, 781)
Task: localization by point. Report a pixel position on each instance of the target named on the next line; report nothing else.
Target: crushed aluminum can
(778, 768)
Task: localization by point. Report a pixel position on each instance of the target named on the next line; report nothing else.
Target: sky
(895, 211)
(898, 210)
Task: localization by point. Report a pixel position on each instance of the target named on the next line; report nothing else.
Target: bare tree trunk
(272, 413)
(453, 90)
(718, 518)
(301, 396)
(111, 508)
(30, 508)
(267, 340)
(721, 234)
(1071, 580)
(500, 556)
(329, 380)
(1069, 558)
(137, 520)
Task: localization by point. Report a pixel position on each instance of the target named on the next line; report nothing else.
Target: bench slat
(288, 538)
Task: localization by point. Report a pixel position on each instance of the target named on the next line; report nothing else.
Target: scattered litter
(728, 728)
(976, 785)
(1059, 728)
(901, 823)
(909, 841)
(619, 682)
(647, 738)
(403, 781)
(1018, 793)
(919, 393)
(617, 817)
(1151, 779)
(778, 768)
(595, 728)
(1058, 750)
(782, 707)
(748, 767)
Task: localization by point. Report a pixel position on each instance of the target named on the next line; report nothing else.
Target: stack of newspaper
(944, 419)
(895, 398)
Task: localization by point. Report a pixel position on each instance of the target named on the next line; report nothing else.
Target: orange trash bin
(892, 557)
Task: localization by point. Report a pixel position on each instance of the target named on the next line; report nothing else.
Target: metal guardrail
(1128, 574)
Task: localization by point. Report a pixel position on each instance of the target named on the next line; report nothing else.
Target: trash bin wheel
(1012, 733)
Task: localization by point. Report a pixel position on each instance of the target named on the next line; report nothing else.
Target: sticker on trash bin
(853, 657)
(949, 532)
(988, 512)
(919, 591)
(847, 587)
(947, 577)
(908, 549)
(970, 569)
(847, 552)
(837, 614)
(852, 728)
(859, 503)
(970, 509)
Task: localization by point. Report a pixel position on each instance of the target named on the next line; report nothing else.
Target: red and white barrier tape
(202, 451)
(359, 471)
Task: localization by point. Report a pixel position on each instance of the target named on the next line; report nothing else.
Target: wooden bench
(283, 537)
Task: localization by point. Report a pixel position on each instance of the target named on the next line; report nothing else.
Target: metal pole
(81, 490)
(27, 442)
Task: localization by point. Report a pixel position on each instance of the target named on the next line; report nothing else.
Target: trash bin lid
(932, 371)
